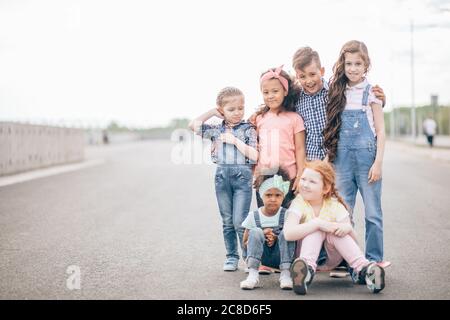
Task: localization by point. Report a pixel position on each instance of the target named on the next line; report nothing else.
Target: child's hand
(270, 236)
(228, 138)
(343, 229)
(252, 119)
(270, 239)
(325, 226)
(218, 113)
(379, 94)
(375, 172)
(296, 185)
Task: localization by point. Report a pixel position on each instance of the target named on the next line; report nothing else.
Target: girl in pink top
(281, 132)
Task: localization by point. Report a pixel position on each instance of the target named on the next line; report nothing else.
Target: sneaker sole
(299, 271)
(264, 272)
(286, 288)
(376, 277)
(251, 288)
(230, 269)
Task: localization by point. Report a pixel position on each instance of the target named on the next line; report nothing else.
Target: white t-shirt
(266, 221)
(429, 126)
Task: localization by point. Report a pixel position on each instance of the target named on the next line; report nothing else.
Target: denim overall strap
(365, 98)
(366, 130)
(257, 219)
(278, 228)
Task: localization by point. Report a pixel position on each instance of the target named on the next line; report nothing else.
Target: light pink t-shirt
(354, 96)
(276, 142)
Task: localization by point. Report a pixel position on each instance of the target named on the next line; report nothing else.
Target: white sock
(253, 274)
(285, 274)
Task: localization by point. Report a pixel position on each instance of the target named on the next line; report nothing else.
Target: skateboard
(341, 272)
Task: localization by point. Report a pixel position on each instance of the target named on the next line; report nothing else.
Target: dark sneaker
(301, 275)
(374, 278)
(359, 277)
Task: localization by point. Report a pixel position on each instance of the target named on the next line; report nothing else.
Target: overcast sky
(143, 63)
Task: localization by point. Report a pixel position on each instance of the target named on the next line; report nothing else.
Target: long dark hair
(291, 98)
(336, 95)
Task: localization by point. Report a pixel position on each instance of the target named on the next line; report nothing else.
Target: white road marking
(41, 173)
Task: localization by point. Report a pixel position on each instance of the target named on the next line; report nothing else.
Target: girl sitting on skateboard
(263, 234)
(317, 216)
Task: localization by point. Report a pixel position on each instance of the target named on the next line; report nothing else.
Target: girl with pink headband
(281, 132)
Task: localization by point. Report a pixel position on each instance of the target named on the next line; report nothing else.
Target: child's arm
(245, 237)
(344, 228)
(294, 230)
(252, 118)
(379, 94)
(375, 170)
(300, 157)
(196, 124)
(245, 149)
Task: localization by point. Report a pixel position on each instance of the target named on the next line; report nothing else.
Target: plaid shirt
(312, 108)
(223, 153)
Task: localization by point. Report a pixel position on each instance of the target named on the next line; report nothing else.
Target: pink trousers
(337, 249)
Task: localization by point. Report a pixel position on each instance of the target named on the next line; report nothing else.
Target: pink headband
(276, 74)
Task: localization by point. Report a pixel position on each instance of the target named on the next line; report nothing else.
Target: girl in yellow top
(319, 215)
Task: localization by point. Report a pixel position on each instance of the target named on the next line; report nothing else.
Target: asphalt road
(140, 226)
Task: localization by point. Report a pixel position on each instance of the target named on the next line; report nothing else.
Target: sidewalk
(440, 142)
(440, 150)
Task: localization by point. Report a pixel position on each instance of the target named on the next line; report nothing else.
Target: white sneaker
(250, 283)
(286, 283)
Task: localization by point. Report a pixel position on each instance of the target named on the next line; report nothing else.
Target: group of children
(307, 152)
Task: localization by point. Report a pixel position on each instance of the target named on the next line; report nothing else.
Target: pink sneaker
(384, 264)
(265, 270)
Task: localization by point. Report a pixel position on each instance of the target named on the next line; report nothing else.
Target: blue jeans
(355, 156)
(279, 255)
(234, 196)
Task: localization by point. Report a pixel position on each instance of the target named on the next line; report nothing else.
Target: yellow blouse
(332, 210)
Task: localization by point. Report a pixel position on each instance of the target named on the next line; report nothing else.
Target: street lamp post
(413, 106)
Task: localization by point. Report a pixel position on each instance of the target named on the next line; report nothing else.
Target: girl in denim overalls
(355, 138)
